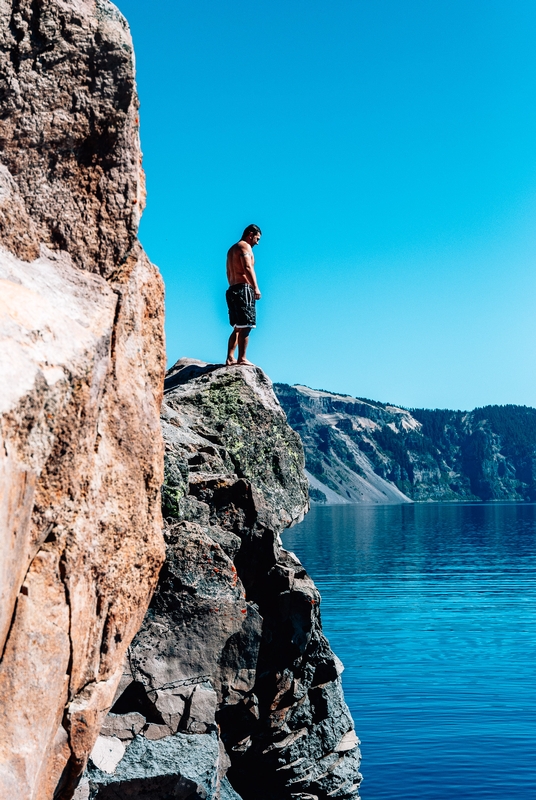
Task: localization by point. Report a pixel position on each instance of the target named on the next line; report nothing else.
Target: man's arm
(248, 262)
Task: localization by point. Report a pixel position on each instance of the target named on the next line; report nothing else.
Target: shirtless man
(242, 293)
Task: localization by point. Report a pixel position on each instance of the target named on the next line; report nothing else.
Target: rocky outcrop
(230, 687)
(81, 371)
(359, 450)
(69, 132)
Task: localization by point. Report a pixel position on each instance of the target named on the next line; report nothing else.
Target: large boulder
(231, 646)
(81, 374)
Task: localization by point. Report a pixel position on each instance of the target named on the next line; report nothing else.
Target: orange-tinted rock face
(81, 372)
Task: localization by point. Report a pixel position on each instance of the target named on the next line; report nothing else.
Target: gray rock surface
(182, 767)
(361, 451)
(231, 649)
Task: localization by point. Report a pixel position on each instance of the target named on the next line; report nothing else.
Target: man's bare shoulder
(239, 247)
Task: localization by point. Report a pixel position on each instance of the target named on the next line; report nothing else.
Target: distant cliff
(230, 688)
(359, 450)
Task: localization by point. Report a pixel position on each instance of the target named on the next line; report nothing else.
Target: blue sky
(387, 149)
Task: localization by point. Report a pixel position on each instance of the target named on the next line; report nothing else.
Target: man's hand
(257, 294)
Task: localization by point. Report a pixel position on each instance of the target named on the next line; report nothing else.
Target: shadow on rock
(185, 370)
(165, 787)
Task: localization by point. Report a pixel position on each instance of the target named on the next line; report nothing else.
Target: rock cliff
(230, 689)
(360, 450)
(81, 373)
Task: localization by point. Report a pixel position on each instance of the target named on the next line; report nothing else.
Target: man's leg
(243, 339)
(231, 347)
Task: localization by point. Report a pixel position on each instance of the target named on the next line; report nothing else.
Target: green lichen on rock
(224, 399)
(261, 445)
(175, 484)
(240, 429)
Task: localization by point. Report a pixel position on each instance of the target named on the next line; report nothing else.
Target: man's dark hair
(251, 229)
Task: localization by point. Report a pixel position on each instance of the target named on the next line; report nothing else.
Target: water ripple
(432, 610)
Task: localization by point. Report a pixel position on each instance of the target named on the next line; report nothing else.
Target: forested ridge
(427, 454)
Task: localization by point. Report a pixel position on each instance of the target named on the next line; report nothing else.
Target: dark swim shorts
(241, 304)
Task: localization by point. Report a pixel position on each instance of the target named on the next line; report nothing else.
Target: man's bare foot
(230, 362)
(243, 362)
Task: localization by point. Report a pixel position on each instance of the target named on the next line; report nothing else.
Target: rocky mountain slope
(359, 450)
(230, 689)
(81, 373)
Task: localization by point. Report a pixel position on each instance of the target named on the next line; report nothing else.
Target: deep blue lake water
(432, 609)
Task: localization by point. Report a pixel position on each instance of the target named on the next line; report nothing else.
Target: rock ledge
(231, 654)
